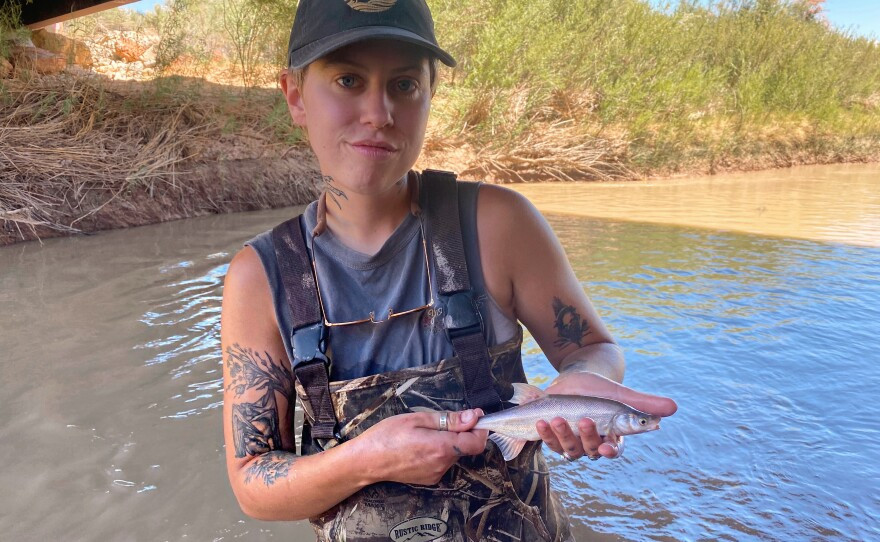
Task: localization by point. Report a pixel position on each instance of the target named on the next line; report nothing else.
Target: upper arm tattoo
(255, 425)
(571, 328)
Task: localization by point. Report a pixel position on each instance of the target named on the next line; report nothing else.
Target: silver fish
(513, 427)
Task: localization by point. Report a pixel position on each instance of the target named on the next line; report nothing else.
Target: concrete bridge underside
(40, 13)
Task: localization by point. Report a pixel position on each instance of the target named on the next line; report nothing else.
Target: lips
(374, 148)
(374, 143)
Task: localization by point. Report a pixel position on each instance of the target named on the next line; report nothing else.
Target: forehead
(378, 54)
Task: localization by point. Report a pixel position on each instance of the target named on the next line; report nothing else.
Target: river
(763, 327)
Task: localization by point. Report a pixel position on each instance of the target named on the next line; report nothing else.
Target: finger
(611, 448)
(590, 438)
(548, 436)
(570, 443)
(464, 420)
(648, 403)
(469, 442)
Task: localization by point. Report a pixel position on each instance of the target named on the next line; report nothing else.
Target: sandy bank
(81, 153)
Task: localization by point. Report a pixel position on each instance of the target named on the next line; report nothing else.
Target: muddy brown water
(752, 299)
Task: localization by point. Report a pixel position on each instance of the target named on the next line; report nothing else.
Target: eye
(643, 421)
(406, 85)
(347, 81)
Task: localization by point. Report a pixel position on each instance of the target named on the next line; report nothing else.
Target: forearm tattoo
(270, 467)
(255, 425)
(334, 192)
(571, 328)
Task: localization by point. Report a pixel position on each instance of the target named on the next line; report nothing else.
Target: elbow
(252, 512)
(255, 505)
(252, 500)
(247, 503)
(252, 509)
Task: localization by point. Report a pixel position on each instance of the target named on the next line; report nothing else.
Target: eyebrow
(343, 62)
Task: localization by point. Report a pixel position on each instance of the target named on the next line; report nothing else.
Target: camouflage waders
(480, 498)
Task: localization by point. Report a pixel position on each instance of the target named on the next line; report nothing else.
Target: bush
(645, 69)
(10, 25)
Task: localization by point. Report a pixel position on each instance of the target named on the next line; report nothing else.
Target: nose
(377, 108)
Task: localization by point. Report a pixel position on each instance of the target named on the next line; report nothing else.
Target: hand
(558, 435)
(410, 448)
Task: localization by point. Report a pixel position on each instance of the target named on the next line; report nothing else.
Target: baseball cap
(322, 26)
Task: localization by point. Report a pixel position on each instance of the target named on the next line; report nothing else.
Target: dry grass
(79, 153)
(548, 153)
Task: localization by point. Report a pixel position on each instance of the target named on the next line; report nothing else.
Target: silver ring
(444, 421)
(568, 457)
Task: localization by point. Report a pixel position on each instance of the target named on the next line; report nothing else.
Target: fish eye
(643, 421)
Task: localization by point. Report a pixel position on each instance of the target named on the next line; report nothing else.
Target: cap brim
(307, 54)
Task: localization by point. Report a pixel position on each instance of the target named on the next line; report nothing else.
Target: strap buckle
(462, 316)
(310, 344)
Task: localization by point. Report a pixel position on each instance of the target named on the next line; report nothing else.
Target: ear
(293, 96)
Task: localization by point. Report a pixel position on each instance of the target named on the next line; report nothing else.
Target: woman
(394, 304)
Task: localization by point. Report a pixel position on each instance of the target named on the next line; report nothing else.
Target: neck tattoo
(334, 192)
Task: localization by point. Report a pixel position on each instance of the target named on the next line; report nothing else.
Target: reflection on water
(829, 203)
(770, 347)
(111, 387)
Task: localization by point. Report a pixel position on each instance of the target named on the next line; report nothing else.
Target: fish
(512, 428)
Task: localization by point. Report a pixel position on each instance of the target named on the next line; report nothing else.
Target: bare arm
(268, 479)
(535, 284)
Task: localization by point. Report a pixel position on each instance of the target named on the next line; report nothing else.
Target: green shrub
(651, 71)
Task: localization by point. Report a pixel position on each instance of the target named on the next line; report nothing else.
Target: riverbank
(81, 153)
(157, 120)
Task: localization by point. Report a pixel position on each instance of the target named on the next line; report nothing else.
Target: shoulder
(247, 295)
(495, 198)
(507, 226)
(503, 213)
(245, 271)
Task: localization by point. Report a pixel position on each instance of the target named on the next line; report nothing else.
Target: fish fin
(525, 393)
(510, 447)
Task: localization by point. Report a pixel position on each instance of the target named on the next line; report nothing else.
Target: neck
(364, 222)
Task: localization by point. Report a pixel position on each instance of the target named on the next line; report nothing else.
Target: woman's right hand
(411, 448)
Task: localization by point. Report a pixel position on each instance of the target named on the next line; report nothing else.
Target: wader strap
(308, 338)
(314, 379)
(464, 324)
(296, 273)
(441, 196)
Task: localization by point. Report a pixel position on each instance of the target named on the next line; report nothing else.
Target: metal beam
(40, 13)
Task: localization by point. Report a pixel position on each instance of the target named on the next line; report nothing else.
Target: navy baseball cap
(323, 26)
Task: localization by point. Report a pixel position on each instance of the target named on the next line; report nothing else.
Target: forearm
(280, 485)
(605, 359)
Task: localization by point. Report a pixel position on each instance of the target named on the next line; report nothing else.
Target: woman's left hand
(558, 435)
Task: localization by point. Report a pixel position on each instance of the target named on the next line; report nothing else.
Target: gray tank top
(353, 284)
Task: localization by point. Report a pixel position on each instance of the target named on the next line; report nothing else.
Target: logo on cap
(371, 6)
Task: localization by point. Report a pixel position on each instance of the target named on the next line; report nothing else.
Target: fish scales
(520, 421)
(512, 428)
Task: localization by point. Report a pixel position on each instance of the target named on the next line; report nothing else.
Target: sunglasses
(371, 319)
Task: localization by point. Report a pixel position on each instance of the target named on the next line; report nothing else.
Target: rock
(36, 59)
(74, 51)
(5, 68)
(128, 49)
(149, 56)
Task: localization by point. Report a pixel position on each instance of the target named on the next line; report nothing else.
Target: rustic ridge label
(418, 529)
